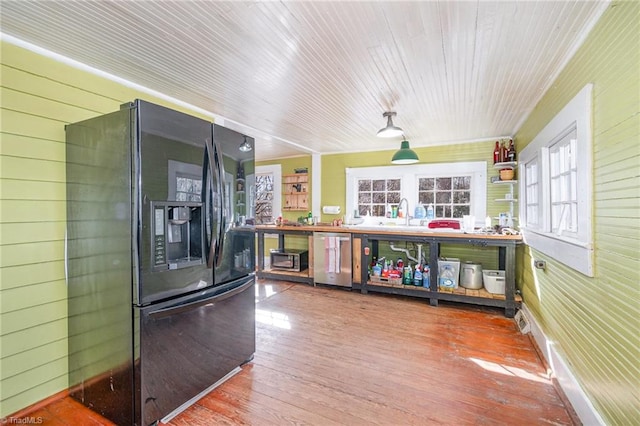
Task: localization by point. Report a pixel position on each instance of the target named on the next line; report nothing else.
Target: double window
(556, 206)
(454, 189)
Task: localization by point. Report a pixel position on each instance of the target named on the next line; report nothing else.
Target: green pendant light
(404, 155)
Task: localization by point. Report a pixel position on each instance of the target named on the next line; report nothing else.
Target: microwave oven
(290, 259)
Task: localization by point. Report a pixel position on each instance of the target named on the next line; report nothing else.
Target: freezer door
(170, 162)
(187, 345)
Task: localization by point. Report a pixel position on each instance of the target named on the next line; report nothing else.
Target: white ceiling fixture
(245, 146)
(313, 76)
(390, 131)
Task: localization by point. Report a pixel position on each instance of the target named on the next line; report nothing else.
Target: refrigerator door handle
(207, 187)
(222, 228)
(179, 308)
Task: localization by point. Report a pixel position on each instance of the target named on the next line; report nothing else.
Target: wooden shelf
(506, 165)
(294, 190)
(482, 293)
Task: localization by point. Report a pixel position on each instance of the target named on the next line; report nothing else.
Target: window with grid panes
(455, 189)
(450, 196)
(556, 212)
(563, 178)
(377, 195)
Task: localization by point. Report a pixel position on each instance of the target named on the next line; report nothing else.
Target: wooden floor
(328, 356)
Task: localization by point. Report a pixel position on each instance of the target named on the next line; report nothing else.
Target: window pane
(443, 183)
(460, 197)
(459, 211)
(378, 210)
(364, 185)
(425, 184)
(462, 182)
(426, 198)
(379, 185)
(443, 197)
(364, 197)
(393, 185)
(379, 197)
(393, 198)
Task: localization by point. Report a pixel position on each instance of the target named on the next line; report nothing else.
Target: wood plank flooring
(328, 356)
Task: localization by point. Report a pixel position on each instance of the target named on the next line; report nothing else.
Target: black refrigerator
(159, 260)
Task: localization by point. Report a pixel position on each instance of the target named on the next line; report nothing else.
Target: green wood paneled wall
(595, 322)
(39, 96)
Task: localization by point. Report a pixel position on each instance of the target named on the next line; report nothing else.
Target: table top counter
(389, 230)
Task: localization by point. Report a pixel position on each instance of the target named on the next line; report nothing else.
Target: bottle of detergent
(430, 212)
(417, 276)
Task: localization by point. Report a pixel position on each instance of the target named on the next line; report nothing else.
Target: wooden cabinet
(295, 192)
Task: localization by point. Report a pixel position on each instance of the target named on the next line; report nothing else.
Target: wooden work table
(365, 244)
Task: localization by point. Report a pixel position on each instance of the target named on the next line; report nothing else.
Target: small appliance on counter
(290, 259)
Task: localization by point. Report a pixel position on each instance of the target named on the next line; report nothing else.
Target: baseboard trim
(38, 405)
(563, 375)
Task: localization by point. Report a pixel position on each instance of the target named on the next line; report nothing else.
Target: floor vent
(523, 322)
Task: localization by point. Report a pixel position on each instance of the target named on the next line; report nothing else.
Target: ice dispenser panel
(177, 240)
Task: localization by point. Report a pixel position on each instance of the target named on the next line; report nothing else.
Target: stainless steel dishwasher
(332, 258)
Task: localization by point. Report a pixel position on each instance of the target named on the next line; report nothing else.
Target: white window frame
(276, 171)
(573, 249)
(409, 175)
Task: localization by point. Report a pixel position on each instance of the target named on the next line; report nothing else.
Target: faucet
(406, 212)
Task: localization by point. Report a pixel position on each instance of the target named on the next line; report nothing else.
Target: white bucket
(494, 281)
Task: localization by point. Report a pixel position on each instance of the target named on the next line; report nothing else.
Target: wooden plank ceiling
(316, 76)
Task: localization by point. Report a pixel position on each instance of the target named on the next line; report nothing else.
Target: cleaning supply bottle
(417, 276)
(407, 276)
(420, 212)
(426, 276)
(430, 212)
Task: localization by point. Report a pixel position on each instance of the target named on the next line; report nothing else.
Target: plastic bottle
(420, 212)
(430, 212)
(407, 276)
(417, 276)
(447, 279)
(426, 276)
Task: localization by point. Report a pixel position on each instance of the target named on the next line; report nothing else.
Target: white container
(494, 281)
(448, 272)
